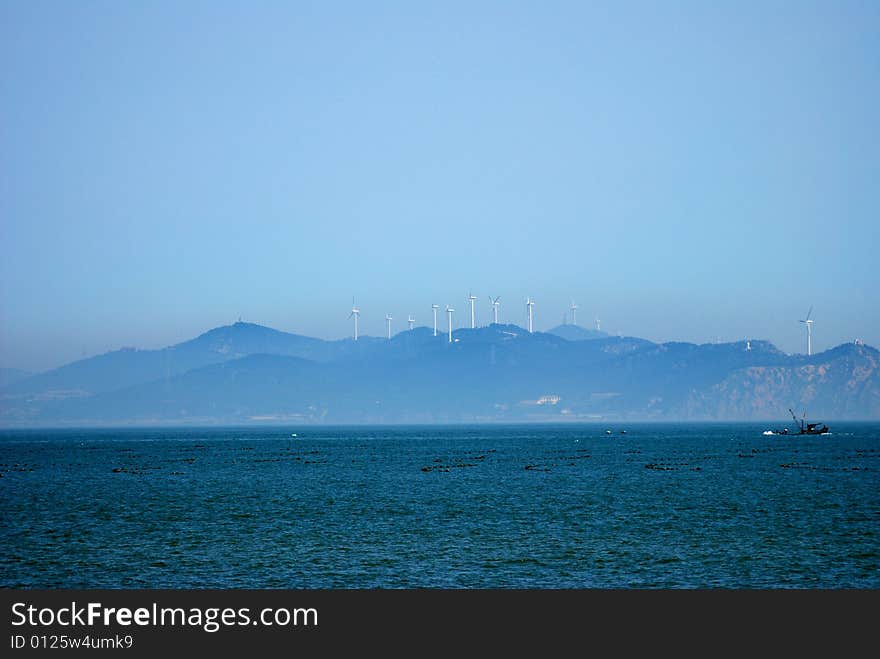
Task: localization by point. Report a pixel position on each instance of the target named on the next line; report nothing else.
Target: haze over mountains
(12, 375)
(246, 373)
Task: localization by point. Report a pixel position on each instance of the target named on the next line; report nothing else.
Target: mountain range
(247, 373)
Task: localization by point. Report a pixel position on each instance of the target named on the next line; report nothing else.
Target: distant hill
(843, 382)
(247, 373)
(129, 366)
(577, 333)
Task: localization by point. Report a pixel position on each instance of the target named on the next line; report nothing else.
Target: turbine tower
(809, 323)
(529, 304)
(411, 321)
(574, 308)
(355, 312)
(435, 307)
(495, 304)
(449, 311)
(598, 325)
(471, 297)
(388, 320)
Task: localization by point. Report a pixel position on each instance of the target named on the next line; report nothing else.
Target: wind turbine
(809, 323)
(411, 321)
(435, 307)
(449, 311)
(388, 320)
(598, 325)
(529, 305)
(495, 305)
(471, 297)
(355, 312)
(574, 308)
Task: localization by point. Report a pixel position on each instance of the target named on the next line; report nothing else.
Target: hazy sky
(684, 171)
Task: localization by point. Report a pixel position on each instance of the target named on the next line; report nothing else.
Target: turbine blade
(809, 312)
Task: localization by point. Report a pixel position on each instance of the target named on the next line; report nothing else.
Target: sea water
(525, 506)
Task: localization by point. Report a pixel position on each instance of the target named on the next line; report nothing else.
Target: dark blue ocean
(568, 506)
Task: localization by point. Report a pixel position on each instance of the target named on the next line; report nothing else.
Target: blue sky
(684, 171)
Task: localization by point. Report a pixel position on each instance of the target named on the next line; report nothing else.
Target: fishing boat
(805, 428)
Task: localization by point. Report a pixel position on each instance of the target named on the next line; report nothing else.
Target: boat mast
(796, 420)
